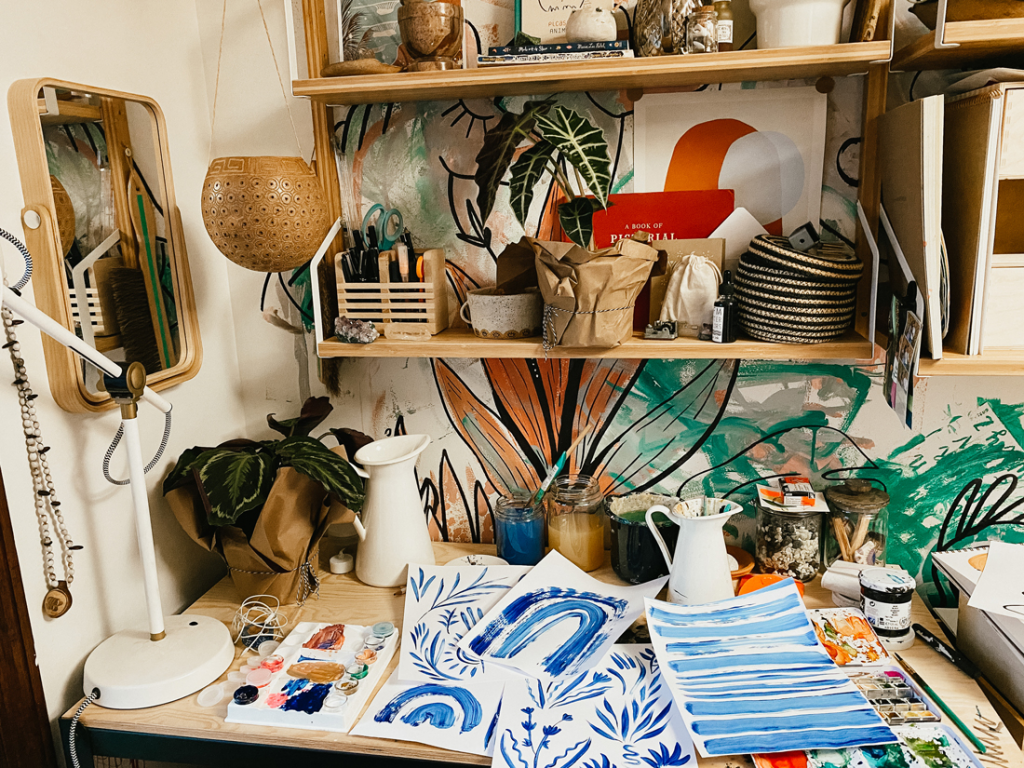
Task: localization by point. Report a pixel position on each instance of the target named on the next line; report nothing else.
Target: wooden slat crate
(422, 304)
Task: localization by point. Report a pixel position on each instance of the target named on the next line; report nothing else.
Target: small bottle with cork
(723, 26)
(723, 329)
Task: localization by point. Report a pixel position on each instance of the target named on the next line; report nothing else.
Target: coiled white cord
(72, 746)
(156, 458)
(25, 255)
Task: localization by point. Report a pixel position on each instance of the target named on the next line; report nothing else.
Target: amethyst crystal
(354, 331)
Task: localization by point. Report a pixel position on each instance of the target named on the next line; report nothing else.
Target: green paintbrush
(942, 705)
(558, 466)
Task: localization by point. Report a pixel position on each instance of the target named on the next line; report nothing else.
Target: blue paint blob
(294, 686)
(472, 712)
(771, 625)
(766, 706)
(756, 660)
(762, 724)
(309, 701)
(783, 742)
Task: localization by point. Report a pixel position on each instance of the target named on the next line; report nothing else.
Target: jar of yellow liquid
(576, 520)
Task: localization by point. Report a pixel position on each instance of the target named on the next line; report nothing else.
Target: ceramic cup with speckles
(500, 316)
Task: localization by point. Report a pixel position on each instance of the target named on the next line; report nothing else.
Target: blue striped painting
(749, 676)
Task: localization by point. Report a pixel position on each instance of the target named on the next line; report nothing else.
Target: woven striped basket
(790, 297)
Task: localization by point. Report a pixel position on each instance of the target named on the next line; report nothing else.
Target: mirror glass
(102, 153)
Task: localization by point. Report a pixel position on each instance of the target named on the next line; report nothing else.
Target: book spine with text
(509, 50)
(544, 58)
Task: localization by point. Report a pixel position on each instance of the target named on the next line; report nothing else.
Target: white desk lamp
(179, 654)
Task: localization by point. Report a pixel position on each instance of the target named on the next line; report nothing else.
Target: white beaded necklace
(48, 514)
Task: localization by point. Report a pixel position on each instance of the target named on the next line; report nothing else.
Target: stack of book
(544, 53)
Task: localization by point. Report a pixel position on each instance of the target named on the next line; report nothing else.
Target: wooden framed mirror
(105, 234)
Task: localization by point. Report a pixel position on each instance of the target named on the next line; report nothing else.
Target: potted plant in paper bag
(263, 505)
(588, 295)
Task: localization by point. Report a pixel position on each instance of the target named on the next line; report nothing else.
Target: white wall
(150, 47)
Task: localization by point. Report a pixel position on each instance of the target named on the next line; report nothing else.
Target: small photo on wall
(767, 145)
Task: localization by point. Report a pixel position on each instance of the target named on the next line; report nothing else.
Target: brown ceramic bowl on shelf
(431, 33)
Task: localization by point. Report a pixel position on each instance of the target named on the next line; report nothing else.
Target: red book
(666, 215)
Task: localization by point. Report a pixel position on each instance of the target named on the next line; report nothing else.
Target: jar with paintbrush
(858, 522)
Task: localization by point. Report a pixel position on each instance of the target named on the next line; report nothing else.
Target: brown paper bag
(589, 295)
(279, 558)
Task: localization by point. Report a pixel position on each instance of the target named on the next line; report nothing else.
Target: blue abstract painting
(550, 632)
(442, 603)
(459, 716)
(618, 714)
(749, 676)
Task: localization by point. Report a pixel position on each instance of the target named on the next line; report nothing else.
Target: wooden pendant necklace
(51, 521)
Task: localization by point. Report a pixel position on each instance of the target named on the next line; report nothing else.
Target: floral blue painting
(749, 675)
(442, 603)
(616, 715)
(551, 632)
(459, 716)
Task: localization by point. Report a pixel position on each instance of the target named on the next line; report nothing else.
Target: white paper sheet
(442, 602)
(749, 676)
(457, 716)
(619, 713)
(557, 621)
(1000, 589)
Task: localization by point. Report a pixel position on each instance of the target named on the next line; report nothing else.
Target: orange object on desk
(760, 580)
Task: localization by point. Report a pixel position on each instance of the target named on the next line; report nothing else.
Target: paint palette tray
(848, 638)
(318, 661)
(895, 698)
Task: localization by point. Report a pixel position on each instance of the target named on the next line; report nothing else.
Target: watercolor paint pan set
(895, 697)
(326, 674)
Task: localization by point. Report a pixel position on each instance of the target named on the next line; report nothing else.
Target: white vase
(392, 527)
(593, 23)
(790, 23)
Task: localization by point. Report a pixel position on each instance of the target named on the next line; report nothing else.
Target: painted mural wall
(683, 427)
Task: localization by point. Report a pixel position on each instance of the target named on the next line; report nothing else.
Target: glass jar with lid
(858, 523)
(519, 529)
(788, 541)
(576, 520)
(702, 31)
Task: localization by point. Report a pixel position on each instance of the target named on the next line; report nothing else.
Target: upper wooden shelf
(992, 362)
(460, 342)
(977, 42)
(643, 74)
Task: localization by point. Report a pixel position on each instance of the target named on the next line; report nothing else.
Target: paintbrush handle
(942, 705)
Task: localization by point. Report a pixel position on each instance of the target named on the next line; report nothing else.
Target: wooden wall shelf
(643, 74)
(992, 362)
(460, 342)
(977, 42)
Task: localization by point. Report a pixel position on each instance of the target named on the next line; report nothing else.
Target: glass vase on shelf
(701, 31)
(649, 27)
(676, 13)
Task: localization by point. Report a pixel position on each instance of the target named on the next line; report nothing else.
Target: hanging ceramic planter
(267, 214)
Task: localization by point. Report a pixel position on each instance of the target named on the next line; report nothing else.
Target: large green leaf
(234, 482)
(496, 154)
(582, 144)
(313, 459)
(313, 412)
(181, 474)
(577, 219)
(525, 174)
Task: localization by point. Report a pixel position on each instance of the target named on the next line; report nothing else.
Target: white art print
(457, 716)
(550, 631)
(442, 603)
(767, 145)
(749, 676)
(619, 714)
(1001, 586)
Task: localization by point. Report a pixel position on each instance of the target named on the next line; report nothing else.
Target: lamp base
(132, 671)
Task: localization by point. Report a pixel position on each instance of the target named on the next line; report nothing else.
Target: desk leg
(83, 744)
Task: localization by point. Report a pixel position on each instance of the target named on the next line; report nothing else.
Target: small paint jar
(335, 701)
(886, 597)
(247, 694)
(347, 686)
(367, 656)
(702, 31)
(857, 523)
(576, 520)
(519, 529)
(635, 555)
(383, 629)
(237, 676)
(788, 542)
(273, 663)
(253, 661)
(375, 643)
(358, 670)
(259, 677)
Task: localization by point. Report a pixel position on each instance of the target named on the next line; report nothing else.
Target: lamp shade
(267, 214)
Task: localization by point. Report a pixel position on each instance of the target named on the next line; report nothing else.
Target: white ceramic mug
(500, 316)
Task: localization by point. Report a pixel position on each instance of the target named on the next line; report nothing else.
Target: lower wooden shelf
(976, 42)
(460, 342)
(1005, 361)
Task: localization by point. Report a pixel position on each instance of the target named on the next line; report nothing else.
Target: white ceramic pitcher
(392, 529)
(699, 572)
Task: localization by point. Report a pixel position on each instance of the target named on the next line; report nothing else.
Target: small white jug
(699, 573)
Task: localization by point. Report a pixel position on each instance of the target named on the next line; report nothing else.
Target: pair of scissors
(389, 226)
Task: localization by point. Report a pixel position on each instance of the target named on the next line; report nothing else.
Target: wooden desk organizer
(416, 305)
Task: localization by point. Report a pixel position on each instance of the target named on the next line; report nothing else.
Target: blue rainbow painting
(529, 616)
(440, 714)
(748, 676)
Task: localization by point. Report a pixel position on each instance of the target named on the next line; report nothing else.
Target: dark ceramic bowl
(636, 557)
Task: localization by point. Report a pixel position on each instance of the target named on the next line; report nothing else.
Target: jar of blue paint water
(519, 529)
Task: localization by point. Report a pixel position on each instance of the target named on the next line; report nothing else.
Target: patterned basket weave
(267, 214)
(791, 297)
(65, 214)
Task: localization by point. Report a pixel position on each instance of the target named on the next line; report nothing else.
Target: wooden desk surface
(345, 599)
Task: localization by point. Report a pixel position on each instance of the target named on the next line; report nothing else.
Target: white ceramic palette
(287, 701)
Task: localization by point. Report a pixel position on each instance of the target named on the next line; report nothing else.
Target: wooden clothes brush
(131, 305)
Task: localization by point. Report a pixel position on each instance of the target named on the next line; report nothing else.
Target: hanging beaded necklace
(48, 514)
